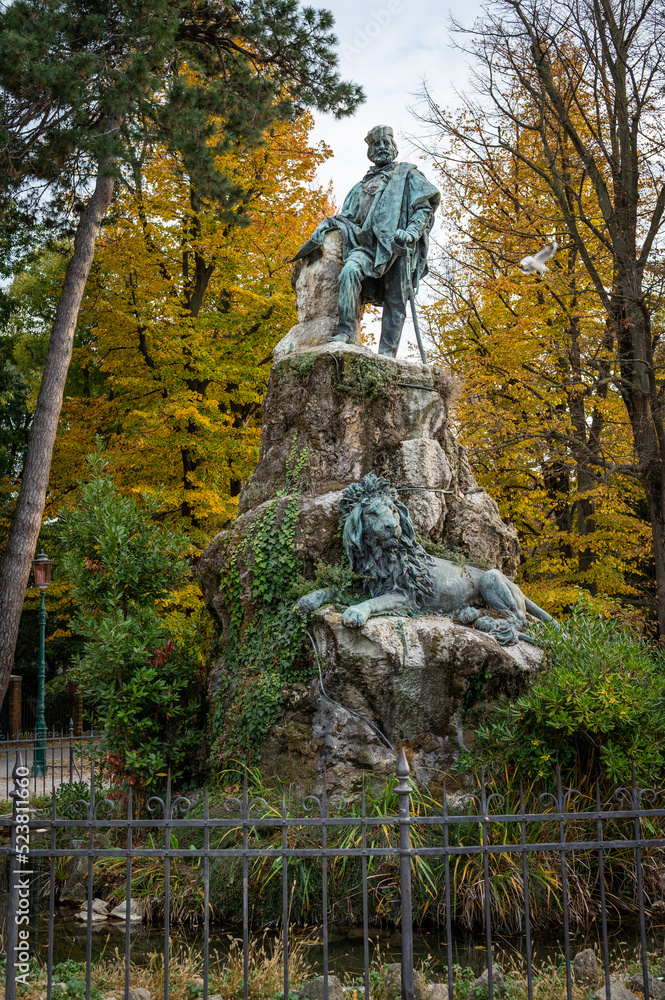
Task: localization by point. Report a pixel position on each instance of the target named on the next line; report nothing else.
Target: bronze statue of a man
(385, 223)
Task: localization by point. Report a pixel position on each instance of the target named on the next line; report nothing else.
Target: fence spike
(402, 770)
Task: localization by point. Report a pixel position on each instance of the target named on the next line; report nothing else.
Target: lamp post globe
(41, 568)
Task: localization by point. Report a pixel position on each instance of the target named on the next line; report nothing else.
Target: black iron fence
(475, 828)
(68, 759)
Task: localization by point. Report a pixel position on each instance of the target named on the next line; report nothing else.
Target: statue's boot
(350, 285)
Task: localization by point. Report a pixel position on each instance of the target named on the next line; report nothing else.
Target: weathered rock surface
(481, 985)
(347, 406)
(407, 676)
(617, 991)
(314, 989)
(316, 289)
(120, 912)
(352, 412)
(437, 991)
(392, 983)
(73, 892)
(585, 966)
(99, 911)
(656, 986)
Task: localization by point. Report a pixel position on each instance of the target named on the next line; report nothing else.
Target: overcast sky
(390, 47)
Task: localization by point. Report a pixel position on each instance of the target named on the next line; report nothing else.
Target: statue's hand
(402, 237)
(356, 616)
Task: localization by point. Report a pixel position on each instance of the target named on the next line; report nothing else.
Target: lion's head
(380, 541)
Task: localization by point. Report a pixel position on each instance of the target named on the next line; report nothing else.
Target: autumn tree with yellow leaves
(546, 428)
(178, 325)
(563, 399)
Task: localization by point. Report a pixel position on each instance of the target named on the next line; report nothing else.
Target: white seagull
(536, 264)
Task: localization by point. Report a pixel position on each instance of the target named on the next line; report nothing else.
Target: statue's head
(381, 146)
(380, 540)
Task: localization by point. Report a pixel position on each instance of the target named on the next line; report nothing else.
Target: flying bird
(536, 264)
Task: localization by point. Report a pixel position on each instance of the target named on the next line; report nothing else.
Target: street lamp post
(41, 567)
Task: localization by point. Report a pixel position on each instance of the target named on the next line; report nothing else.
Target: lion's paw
(354, 617)
(467, 616)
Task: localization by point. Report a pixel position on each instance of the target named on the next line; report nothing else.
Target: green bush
(597, 709)
(140, 620)
(69, 798)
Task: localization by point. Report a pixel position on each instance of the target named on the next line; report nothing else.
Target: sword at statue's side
(407, 250)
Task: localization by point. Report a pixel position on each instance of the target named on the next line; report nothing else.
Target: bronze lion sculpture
(402, 578)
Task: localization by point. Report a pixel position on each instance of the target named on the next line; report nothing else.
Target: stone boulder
(437, 991)
(120, 912)
(585, 966)
(316, 289)
(656, 986)
(348, 408)
(617, 991)
(99, 911)
(348, 411)
(392, 983)
(73, 892)
(314, 989)
(480, 988)
(408, 677)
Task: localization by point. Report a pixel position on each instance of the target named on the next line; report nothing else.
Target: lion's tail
(537, 612)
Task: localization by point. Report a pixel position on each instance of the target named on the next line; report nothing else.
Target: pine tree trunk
(27, 520)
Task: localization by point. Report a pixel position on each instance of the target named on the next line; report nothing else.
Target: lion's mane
(406, 569)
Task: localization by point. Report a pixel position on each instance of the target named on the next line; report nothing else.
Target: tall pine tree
(85, 88)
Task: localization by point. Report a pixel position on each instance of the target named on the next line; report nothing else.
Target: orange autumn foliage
(178, 325)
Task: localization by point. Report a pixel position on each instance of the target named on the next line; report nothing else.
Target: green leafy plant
(141, 660)
(302, 364)
(68, 795)
(73, 975)
(597, 710)
(264, 655)
(347, 586)
(454, 553)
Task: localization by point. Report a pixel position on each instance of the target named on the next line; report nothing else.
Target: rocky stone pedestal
(409, 678)
(332, 413)
(315, 286)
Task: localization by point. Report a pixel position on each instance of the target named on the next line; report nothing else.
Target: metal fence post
(71, 751)
(404, 791)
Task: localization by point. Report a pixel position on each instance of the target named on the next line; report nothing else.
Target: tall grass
(467, 883)
(266, 976)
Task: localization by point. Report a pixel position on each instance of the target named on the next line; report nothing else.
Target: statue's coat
(404, 195)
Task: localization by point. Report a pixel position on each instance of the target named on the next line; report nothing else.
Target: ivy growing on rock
(263, 656)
